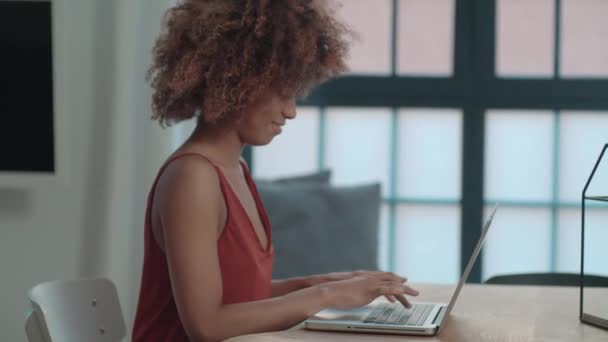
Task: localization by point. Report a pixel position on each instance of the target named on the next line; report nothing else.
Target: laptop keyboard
(397, 314)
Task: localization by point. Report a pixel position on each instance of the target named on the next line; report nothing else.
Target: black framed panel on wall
(28, 133)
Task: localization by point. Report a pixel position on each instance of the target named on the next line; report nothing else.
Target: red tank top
(245, 265)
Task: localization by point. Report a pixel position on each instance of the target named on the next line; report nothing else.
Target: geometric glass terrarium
(594, 246)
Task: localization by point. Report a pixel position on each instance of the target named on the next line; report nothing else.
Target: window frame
(474, 88)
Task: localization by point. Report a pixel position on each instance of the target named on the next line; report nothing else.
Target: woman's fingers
(395, 289)
(389, 276)
(385, 276)
(391, 299)
(387, 291)
(404, 288)
(410, 291)
(397, 293)
(403, 300)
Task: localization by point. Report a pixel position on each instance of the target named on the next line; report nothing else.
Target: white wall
(92, 225)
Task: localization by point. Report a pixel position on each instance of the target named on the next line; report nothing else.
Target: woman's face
(263, 120)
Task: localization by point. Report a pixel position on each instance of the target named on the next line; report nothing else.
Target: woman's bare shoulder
(188, 178)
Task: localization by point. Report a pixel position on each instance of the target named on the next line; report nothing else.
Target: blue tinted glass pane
(519, 155)
(583, 135)
(358, 145)
(518, 241)
(429, 153)
(596, 237)
(383, 238)
(427, 246)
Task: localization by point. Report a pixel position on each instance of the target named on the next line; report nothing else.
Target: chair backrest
(76, 310)
(35, 330)
(551, 279)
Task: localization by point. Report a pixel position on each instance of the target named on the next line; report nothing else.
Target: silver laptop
(393, 318)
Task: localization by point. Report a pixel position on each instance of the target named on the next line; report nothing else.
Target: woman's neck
(222, 146)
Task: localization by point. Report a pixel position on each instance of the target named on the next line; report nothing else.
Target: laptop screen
(467, 270)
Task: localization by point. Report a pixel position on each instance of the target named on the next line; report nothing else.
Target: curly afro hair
(214, 57)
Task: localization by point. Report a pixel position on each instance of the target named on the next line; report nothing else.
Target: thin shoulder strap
(178, 156)
(185, 154)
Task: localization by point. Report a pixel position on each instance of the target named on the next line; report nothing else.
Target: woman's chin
(261, 141)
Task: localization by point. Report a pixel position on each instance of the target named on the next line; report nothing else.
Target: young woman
(237, 66)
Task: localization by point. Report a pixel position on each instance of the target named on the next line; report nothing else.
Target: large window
(453, 105)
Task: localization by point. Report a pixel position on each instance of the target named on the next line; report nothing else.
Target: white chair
(75, 310)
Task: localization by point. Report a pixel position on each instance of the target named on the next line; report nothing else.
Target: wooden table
(482, 313)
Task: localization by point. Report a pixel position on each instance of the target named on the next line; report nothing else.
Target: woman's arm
(190, 205)
(282, 287)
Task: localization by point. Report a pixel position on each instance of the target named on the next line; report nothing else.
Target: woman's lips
(277, 128)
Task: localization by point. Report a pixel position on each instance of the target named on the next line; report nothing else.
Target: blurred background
(451, 105)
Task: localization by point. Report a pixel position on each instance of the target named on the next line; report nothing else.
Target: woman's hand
(335, 276)
(354, 289)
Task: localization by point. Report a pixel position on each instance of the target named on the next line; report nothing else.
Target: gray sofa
(320, 228)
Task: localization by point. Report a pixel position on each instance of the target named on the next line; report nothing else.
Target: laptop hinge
(439, 315)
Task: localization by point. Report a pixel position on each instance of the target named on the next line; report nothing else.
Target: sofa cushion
(322, 176)
(318, 228)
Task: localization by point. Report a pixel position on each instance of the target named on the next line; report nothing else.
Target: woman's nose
(290, 114)
(290, 111)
